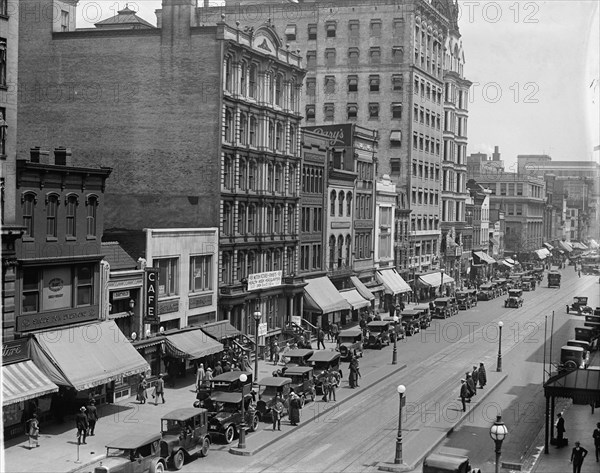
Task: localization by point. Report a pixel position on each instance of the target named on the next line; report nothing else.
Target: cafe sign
(151, 295)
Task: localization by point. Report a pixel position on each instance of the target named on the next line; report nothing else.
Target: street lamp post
(398, 459)
(499, 367)
(442, 283)
(242, 440)
(395, 351)
(498, 431)
(257, 317)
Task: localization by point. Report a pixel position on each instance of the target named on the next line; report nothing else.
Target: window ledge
(50, 238)
(28, 239)
(91, 237)
(71, 238)
(169, 298)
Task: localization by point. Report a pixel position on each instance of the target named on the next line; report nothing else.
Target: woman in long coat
(141, 390)
(294, 413)
(482, 375)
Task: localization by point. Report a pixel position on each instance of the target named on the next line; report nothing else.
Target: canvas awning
(494, 242)
(484, 258)
(362, 289)
(392, 281)
(582, 386)
(220, 330)
(320, 295)
(22, 381)
(86, 356)
(593, 244)
(563, 245)
(541, 254)
(435, 279)
(191, 344)
(510, 261)
(507, 264)
(578, 246)
(355, 299)
(549, 246)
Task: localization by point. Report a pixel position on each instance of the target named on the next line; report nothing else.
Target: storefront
(187, 347)
(323, 304)
(356, 301)
(394, 286)
(436, 284)
(25, 389)
(111, 362)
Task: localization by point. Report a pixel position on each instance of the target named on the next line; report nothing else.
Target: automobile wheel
(570, 365)
(254, 424)
(302, 401)
(158, 468)
(178, 459)
(205, 447)
(229, 434)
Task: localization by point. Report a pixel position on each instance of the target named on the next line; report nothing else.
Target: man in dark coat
(92, 415)
(596, 436)
(320, 339)
(482, 376)
(577, 455)
(475, 376)
(464, 394)
(560, 430)
(471, 385)
(81, 421)
(218, 369)
(294, 403)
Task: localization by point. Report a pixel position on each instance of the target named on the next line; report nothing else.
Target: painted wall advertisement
(57, 290)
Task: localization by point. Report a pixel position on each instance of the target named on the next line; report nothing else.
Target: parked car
(486, 292)
(447, 463)
(463, 299)
(425, 315)
(377, 334)
(299, 357)
(515, 298)
(554, 279)
(502, 285)
(515, 280)
(571, 358)
(135, 452)
(585, 346)
(579, 306)
(528, 283)
(268, 388)
(323, 362)
(445, 307)
(410, 321)
(588, 334)
(225, 382)
(225, 415)
(350, 342)
(302, 381)
(396, 326)
(184, 435)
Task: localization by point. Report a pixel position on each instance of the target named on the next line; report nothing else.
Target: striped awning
(507, 264)
(192, 344)
(541, 254)
(565, 246)
(320, 295)
(393, 282)
(23, 381)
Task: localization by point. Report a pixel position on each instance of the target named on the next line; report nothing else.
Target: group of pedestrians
(578, 453)
(470, 382)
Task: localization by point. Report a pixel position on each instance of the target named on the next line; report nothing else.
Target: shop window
(167, 276)
(201, 273)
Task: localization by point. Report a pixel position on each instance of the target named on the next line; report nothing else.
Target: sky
(534, 67)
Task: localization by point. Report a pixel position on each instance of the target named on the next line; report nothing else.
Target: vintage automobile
(225, 414)
(299, 357)
(323, 362)
(496, 289)
(593, 318)
(268, 388)
(302, 381)
(377, 334)
(225, 382)
(588, 334)
(528, 283)
(463, 299)
(350, 342)
(579, 306)
(571, 358)
(597, 311)
(396, 326)
(486, 292)
(135, 452)
(184, 435)
(538, 274)
(515, 280)
(502, 285)
(411, 321)
(445, 307)
(425, 317)
(554, 278)
(515, 298)
(447, 463)
(585, 346)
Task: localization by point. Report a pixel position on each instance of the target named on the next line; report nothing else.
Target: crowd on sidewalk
(468, 387)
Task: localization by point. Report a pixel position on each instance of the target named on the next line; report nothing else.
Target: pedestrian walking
(334, 380)
(354, 373)
(208, 378)
(283, 354)
(577, 456)
(275, 353)
(159, 390)
(560, 430)
(33, 431)
(294, 402)
(276, 411)
(218, 369)
(226, 367)
(81, 422)
(320, 339)
(324, 385)
(141, 389)
(464, 393)
(596, 436)
(334, 332)
(92, 415)
(475, 376)
(200, 376)
(470, 384)
(482, 376)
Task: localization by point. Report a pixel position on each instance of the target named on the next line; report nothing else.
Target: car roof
(571, 348)
(444, 461)
(577, 342)
(377, 323)
(134, 440)
(183, 414)
(275, 381)
(350, 332)
(441, 299)
(485, 285)
(421, 307)
(299, 352)
(410, 312)
(580, 298)
(231, 376)
(223, 396)
(324, 355)
(297, 370)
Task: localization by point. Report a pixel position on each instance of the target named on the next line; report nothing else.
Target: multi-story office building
(225, 152)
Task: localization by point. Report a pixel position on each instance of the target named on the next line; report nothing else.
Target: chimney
(38, 155)
(177, 18)
(62, 156)
(496, 154)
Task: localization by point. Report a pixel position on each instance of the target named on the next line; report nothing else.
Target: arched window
(71, 216)
(252, 80)
(292, 105)
(348, 249)
(289, 261)
(269, 219)
(304, 180)
(251, 263)
(271, 134)
(341, 203)
(278, 90)
(277, 219)
(270, 177)
(271, 88)
(312, 181)
(252, 175)
(241, 220)
(331, 252)
(226, 269)
(292, 186)
(241, 267)
(349, 204)
(340, 251)
(51, 212)
(332, 203)
(92, 205)
(291, 219)
(320, 182)
(228, 126)
(28, 202)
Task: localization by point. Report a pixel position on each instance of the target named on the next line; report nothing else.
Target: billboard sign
(264, 280)
(339, 135)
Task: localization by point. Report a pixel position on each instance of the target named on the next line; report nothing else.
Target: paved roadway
(362, 431)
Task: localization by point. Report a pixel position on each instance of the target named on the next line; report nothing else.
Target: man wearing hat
(464, 393)
(92, 416)
(81, 421)
(470, 385)
(159, 390)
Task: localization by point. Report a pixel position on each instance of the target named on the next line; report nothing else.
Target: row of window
(344, 200)
(425, 170)
(237, 265)
(427, 90)
(257, 219)
(311, 219)
(3, 64)
(339, 253)
(428, 51)
(426, 143)
(425, 196)
(455, 152)
(512, 189)
(312, 179)
(427, 117)
(353, 56)
(255, 176)
(53, 215)
(265, 132)
(270, 88)
(454, 124)
(373, 111)
(352, 84)
(200, 277)
(452, 211)
(425, 223)
(363, 245)
(453, 181)
(311, 257)
(455, 96)
(332, 30)
(385, 245)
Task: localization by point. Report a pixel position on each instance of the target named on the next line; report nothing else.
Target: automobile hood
(112, 463)
(221, 417)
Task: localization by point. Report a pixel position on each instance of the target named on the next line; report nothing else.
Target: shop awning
(22, 381)
(320, 295)
(191, 344)
(507, 264)
(593, 244)
(355, 299)
(87, 355)
(510, 261)
(582, 386)
(578, 246)
(392, 281)
(563, 245)
(435, 279)
(549, 246)
(494, 242)
(220, 330)
(540, 254)
(484, 258)
(362, 289)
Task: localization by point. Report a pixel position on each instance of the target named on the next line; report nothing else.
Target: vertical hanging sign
(151, 285)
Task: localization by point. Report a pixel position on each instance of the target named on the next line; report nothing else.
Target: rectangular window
(71, 216)
(84, 285)
(311, 59)
(2, 62)
(3, 7)
(397, 54)
(312, 32)
(352, 109)
(51, 210)
(374, 83)
(290, 32)
(397, 110)
(31, 291)
(200, 273)
(64, 20)
(354, 27)
(329, 111)
(330, 84)
(330, 57)
(310, 112)
(373, 111)
(385, 216)
(375, 55)
(167, 276)
(311, 86)
(398, 27)
(353, 56)
(352, 83)
(330, 28)
(375, 28)
(397, 82)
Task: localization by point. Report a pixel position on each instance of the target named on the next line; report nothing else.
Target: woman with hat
(141, 389)
(294, 402)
